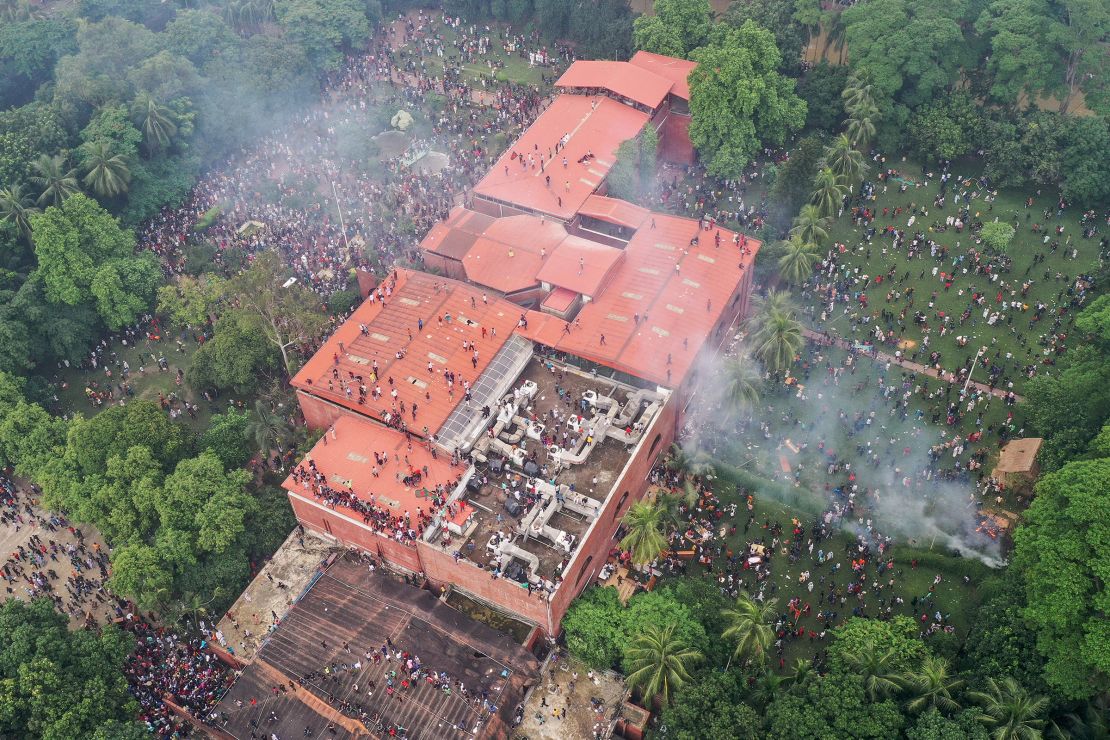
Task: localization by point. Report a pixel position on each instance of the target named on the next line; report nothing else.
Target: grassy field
(1017, 341)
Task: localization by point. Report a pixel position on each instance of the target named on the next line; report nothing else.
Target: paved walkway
(915, 367)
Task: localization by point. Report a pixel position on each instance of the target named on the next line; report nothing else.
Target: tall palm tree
(767, 687)
(859, 91)
(157, 122)
(766, 306)
(844, 160)
(778, 341)
(932, 685)
(749, 628)
(107, 173)
(644, 522)
(799, 671)
(876, 666)
(55, 181)
(1009, 711)
(860, 126)
(743, 383)
(15, 206)
(1092, 722)
(266, 428)
(828, 192)
(659, 662)
(810, 225)
(796, 263)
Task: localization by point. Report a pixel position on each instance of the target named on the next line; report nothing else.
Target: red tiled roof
(502, 266)
(559, 299)
(620, 78)
(670, 303)
(580, 265)
(451, 312)
(614, 211)
(675, 70)
(454, 237)
(347, 461)
(592, 124)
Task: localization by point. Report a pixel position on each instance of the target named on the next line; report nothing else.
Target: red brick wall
(449, 267)
(353, 533)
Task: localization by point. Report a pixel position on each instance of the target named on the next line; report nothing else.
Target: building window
(654, 444)
(620, 504)
(585, 570)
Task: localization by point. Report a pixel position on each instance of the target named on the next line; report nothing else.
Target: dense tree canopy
(676, 28)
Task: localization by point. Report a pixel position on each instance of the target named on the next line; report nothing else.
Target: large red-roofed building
(489, 426)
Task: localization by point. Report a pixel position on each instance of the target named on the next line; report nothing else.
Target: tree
(932, 686)
(325, 28)
(156, 121)
(845, 162)
(778, 341)
(115, 430)
(821, 88)
(57, 683)
(16, 208)
(711, 705)
(1060, 552)
(84, 257)
(832, 706)
(107, 173)
(266, 428)
(29, 49)
(828, 193)
(226, 438)
(593, 627)
(743, 384)
(287, 315)
(199, 36)
(860, 127)
(860, 91)
(660, 662)
(810, 226)
(139, 572)
(645, 538)
(1085, 173)
(997, 235)
(858, 635)
(1047, 47)
(796, 264)
(946, 129)
(1009, 711)
(914, 50)
(633, 174)
(676, 28)
(932, 725)
(778, 17)
(750, 628)
(238, 357)
(189, 301)
(54, 179)
(738, 99)
(794, 181)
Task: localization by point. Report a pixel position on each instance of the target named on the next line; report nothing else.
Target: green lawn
(1015, 342)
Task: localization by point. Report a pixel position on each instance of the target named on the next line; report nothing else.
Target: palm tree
(645, 539)
(859, 91)
(809, 225)
(659, 662)
(1092, 722)
(767, 687)
(796, 263)
(828, 193)
(799, 671)
(742, 383)
(861, 125)
(778, 341)
(844, 160)
(749, 628)
(266, 428)
(932, 686)
(875, 666)
(55, 181)
(107, 173)
(766, 306)
(15, 206)
(157, 122)
(1009, 711)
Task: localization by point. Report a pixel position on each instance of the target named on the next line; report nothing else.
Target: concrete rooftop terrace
(590, 124)
(425, 319)
(349, 605)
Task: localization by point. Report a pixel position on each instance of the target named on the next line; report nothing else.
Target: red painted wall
(333, 524)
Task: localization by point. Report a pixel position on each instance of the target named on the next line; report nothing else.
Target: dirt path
(828, 339)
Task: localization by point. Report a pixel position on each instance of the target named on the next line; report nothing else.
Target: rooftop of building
(380, 469)
(637, 83)
(350, 607)
(661, 302)
(674, 69)
(416, 334)
(594, 125)
(551, 416)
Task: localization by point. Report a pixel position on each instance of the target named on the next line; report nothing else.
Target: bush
(997, 235)
(207, 219)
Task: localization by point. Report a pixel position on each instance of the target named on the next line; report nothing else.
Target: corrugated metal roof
(615, 211)
(580, 265)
